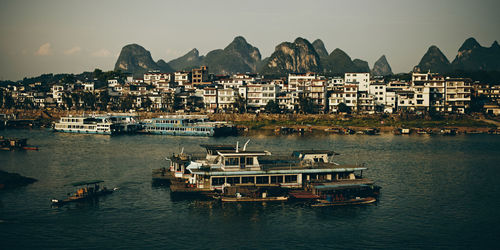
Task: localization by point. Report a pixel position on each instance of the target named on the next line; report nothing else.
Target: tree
(9, 101)
(76, 99)
(89, 100)
(147, 103)
(127, 102)
(307, 105)
(1, 98)
(67, 100)
(240, 104)
(272, 107)
(343, 108)
(103, 100)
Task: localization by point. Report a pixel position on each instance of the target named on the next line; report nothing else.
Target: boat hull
(360, 201)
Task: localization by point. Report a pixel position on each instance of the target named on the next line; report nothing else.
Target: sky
(69, 36)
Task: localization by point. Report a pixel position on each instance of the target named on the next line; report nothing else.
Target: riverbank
(308, 122)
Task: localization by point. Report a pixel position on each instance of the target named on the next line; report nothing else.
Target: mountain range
(302, 56)
(471, 57)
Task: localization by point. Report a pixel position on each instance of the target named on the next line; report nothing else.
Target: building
(199, 75)
(360, 79)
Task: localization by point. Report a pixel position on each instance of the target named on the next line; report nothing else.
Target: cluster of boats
(231, 173)
(189, 125)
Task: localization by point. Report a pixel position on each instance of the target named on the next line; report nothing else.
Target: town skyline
(47, 39)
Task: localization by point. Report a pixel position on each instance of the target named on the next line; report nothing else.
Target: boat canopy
(81, 183)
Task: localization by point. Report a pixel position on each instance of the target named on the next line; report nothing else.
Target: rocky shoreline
(13, 180)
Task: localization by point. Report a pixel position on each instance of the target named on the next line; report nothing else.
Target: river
(437, 192)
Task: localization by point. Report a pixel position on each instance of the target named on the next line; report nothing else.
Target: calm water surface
(437, 192)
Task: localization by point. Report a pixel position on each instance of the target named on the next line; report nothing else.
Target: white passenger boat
(85, 125)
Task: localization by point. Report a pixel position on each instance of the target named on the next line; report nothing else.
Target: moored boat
(87, 191)
(353, 201)
(188, 125)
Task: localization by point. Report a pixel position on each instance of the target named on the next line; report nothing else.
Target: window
(231, 161)
(250, 179)
(233, 180)
(249, 161)
(262, 180)
(277, 179)
(216, 181)
(290, 179)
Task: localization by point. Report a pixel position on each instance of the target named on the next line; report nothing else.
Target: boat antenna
(182, 150)
(245, 146)
(237, 145)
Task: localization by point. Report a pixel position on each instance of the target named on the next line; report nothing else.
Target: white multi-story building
(297, 82)
(360, 79)
(226, 98)
(182, 77)
(335, 83)
(210, 98)
(458, 95)
(258, 95)
(57, 93)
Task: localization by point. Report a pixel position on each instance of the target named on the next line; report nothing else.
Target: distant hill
(433, 60)
(238, 57)
(381, 67)
(299, 56)
(320, 48)
(188, 61)
(474, 57)
(137, 60)
(338, 62)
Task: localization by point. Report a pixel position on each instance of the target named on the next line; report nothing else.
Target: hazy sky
(69, 36)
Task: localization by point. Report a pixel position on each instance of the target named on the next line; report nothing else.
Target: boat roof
(81, 183)
(218, 146)
(233, 152)
(313, 151)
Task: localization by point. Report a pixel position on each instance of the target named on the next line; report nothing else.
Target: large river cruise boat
(105, 124)
(85, 125)
(229, 169)
(190, 125)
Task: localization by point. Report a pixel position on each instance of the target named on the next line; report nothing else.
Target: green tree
(75, 97)
(147, 103)
(307, 105)
(1, 98)
(89, 100)
(67, 101)
(127, 102)
(272, 107)
(240, 104)
(104, 99)
(343, 108)
(9, 101)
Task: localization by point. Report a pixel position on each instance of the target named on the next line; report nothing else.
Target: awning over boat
(81, 183)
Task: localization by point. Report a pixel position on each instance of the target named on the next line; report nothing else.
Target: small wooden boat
(355, 201)
(89, 190)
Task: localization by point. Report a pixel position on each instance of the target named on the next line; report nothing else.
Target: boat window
(231, 161)
(262, 180)
(249, 161)
(290, 178)
(216, 181)
(233, 180)
(277, 179)
(247, 179)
